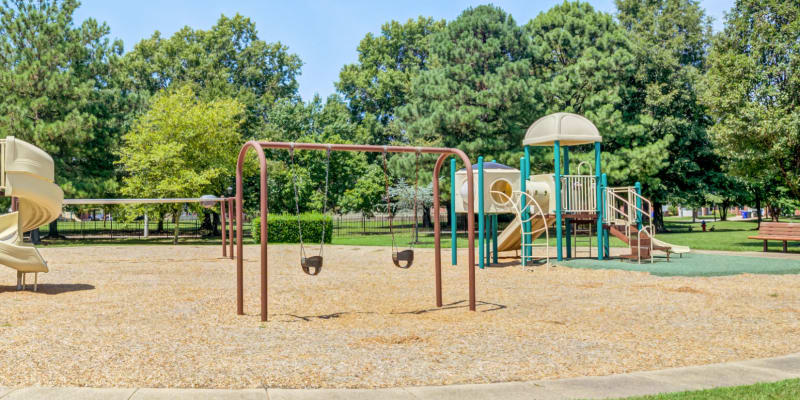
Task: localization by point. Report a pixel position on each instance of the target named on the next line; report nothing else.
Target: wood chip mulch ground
(164, 316)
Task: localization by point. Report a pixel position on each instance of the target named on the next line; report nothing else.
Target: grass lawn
(788, 389)
(727, 235)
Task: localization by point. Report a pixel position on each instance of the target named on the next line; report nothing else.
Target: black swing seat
(403, 259)
(311, 265)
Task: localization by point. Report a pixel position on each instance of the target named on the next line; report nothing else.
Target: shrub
(283, 228)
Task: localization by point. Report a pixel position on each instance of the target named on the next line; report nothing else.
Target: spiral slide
(26, 172)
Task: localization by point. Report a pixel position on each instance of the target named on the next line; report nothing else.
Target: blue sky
(324, 34)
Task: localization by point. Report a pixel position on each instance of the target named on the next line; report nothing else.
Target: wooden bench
(783, 231)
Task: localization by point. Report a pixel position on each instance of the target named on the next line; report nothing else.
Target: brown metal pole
(224, 226)
(437, 231)
(264, 238)
(470, 220)
(230, 227)
(239, 233)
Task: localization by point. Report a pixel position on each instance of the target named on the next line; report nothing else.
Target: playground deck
(158, 316)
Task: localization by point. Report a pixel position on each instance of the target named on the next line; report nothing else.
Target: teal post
(604, 184)
(522, 183)
(568, 231)
(557, 179)
(494, 238)
(487, 239)
(638, 187)
(481, 216)
(528, 226)
(453, 221)
(600, 208)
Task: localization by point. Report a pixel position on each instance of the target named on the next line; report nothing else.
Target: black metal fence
(191, 226)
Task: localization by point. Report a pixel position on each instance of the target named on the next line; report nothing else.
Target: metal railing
(622, 206)
(579, 193)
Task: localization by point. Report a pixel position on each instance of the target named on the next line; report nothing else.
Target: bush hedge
(283, 228)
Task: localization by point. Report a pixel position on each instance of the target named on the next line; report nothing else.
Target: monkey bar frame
(259, 147)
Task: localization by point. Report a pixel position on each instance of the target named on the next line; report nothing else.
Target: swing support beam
(259, 147)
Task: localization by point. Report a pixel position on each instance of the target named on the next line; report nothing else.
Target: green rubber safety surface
(695, 265)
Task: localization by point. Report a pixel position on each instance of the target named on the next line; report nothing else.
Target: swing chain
(297, 201)
(388, 200)
(325, 198)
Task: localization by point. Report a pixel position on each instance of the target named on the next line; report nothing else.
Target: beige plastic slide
(510, 238)
(26, 172)
(673, 248)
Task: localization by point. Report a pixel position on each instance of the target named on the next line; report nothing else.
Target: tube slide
(27, 174)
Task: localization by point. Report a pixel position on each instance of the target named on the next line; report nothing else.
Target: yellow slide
(26, 172)
(510, 238)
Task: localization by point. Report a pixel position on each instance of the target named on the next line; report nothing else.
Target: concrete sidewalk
(633, 384)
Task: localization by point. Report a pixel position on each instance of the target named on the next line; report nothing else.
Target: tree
(226, 61)
(367, 195)
(475, 94)
(670, 40)
(753, 90)
(314, 122)
(58, 90)
(181, 147)
(380, 81)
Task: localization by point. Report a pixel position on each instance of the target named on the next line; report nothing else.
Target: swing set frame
(259, 147)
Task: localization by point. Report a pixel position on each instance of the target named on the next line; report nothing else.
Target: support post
(528, 227)
(494, 239)
(568, 228)
(146, 226)
(224, 227)
(638, 187)
(606, 248)
(522, 185)
(230, 226)
(488, 239)
(481, 219)
(557, 179)
(599, 200)
(453, 221)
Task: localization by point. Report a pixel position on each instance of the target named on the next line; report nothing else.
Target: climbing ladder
(582, 235)
(538, 220)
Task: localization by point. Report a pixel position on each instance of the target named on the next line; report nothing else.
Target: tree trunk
(53, 234)
(694, 215)
(426, 217)
(447, 207)
(658, 217)
(176, 218)
(723, 211)
(774, 212)
(160, 227)
(758, 210)
(216, 223)
(714, 212)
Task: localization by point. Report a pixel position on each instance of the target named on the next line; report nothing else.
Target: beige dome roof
(569, 129)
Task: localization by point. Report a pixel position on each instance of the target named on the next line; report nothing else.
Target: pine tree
(670, 40)
(476, 93)
(58, 90)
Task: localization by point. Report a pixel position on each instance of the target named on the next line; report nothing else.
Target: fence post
(146, 226)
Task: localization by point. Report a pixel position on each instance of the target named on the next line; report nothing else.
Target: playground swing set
(568, 203)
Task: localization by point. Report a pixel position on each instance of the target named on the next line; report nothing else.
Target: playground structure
(581, 207)
(259, 147)
(26, 175)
